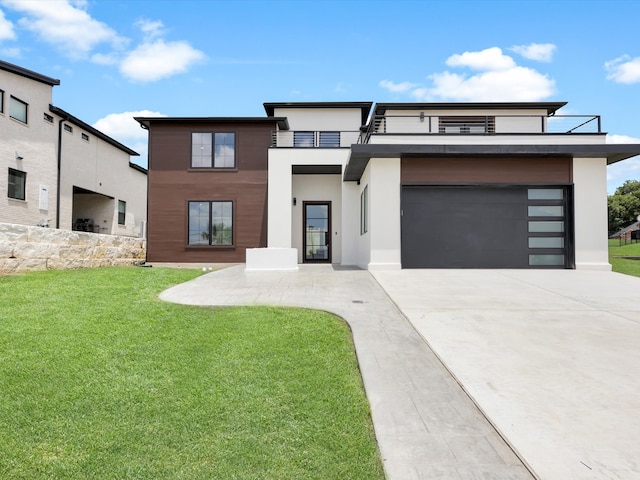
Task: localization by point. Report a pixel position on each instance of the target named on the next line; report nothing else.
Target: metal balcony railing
(421, 124)
(313, 139)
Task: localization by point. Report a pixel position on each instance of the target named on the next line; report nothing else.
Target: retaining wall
(25, 248)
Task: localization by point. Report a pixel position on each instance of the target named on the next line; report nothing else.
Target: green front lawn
(622, 265)
(101, 380)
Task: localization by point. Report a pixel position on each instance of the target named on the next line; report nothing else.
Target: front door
(317, 232)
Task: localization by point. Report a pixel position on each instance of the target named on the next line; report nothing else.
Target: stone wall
(25, 248)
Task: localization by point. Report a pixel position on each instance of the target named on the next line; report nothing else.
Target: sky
(116, 59)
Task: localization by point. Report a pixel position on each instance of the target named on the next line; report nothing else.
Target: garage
(486, 226)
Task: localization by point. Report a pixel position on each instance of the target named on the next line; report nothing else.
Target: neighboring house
(414, 185)
(62, 172)
(626, 231)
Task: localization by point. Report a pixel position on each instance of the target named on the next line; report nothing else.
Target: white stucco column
(590, 213)
(279, 203)
(384, 213)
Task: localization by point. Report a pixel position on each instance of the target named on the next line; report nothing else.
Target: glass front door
(317, 232)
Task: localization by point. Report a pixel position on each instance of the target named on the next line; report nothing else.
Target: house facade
(207, 187)
(423, 185)
(60, 171)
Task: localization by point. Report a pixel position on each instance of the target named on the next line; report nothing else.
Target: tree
(624, 205)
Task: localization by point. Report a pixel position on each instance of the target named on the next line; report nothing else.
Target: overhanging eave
(360, 154)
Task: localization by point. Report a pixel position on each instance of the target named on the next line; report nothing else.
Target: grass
(100, 380)
(622, 265)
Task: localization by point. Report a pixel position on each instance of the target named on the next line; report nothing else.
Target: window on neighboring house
(48, 118)
(17, 184)
(213, 150)
(1, 101)
(329, 139)
(303, 140)
(122, 212)
(468, 124)
(18, 110)
(68, 128)
(364, 210)
(211, 223)
(85, 137)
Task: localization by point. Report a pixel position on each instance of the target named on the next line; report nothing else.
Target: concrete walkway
(552, 357)
(426, 425)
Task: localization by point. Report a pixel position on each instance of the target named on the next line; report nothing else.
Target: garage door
(485, 227)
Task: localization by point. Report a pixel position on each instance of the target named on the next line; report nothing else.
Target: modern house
(395, 185)
(60, 171)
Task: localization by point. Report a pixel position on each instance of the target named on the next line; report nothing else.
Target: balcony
(313, 139)
(427, 125)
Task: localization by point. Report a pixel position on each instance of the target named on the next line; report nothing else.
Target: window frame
(17, 173)
(13, 99)
(122, 213)
(1, 101)
(210, 234)
(301, 139)
(329, 139)
(212, 156)
(85, 137)
(364, 210)
(68, 128)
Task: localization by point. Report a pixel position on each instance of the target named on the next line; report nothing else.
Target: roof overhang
(67, 117)
(30, 74)
(360, 154)
(282, 122)
(364, 107)
(550, 107)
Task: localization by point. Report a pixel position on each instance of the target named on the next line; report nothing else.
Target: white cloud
(397, 87)
(153, 61)
(123, 127)
(623, 69)
(488, 59)
(498, 78)
(540, 52)
(613, 138)
(152, 29)
(6, 28)
(66, 25)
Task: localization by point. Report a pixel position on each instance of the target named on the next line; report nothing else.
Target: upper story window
(18, 109)
(303, 140)
(329, 139)
(85, 137)
(68, 128)
(467, 124)
(17, 184)
(1, 101)
(213, 150)
(47, 117)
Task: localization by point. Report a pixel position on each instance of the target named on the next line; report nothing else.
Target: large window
(18, 110)
(213, 150)
(303, 140)
(329, 139)
(17, 184)
(122, 212)
(211, 223)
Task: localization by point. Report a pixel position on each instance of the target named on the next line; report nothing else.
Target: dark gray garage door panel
(458, 227)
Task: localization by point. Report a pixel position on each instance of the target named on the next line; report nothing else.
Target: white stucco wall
(590, 200)
(321, 119)
(35, 141)
(384, 214)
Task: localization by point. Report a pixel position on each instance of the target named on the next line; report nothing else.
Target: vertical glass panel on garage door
(548, 228)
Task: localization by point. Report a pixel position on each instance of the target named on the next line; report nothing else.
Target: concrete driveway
(551, 357)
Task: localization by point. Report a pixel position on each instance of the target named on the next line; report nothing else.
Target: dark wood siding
(482, 170)
(172, 184)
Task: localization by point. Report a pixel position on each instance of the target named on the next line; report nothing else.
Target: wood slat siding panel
(172, 184)
(525, 170)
